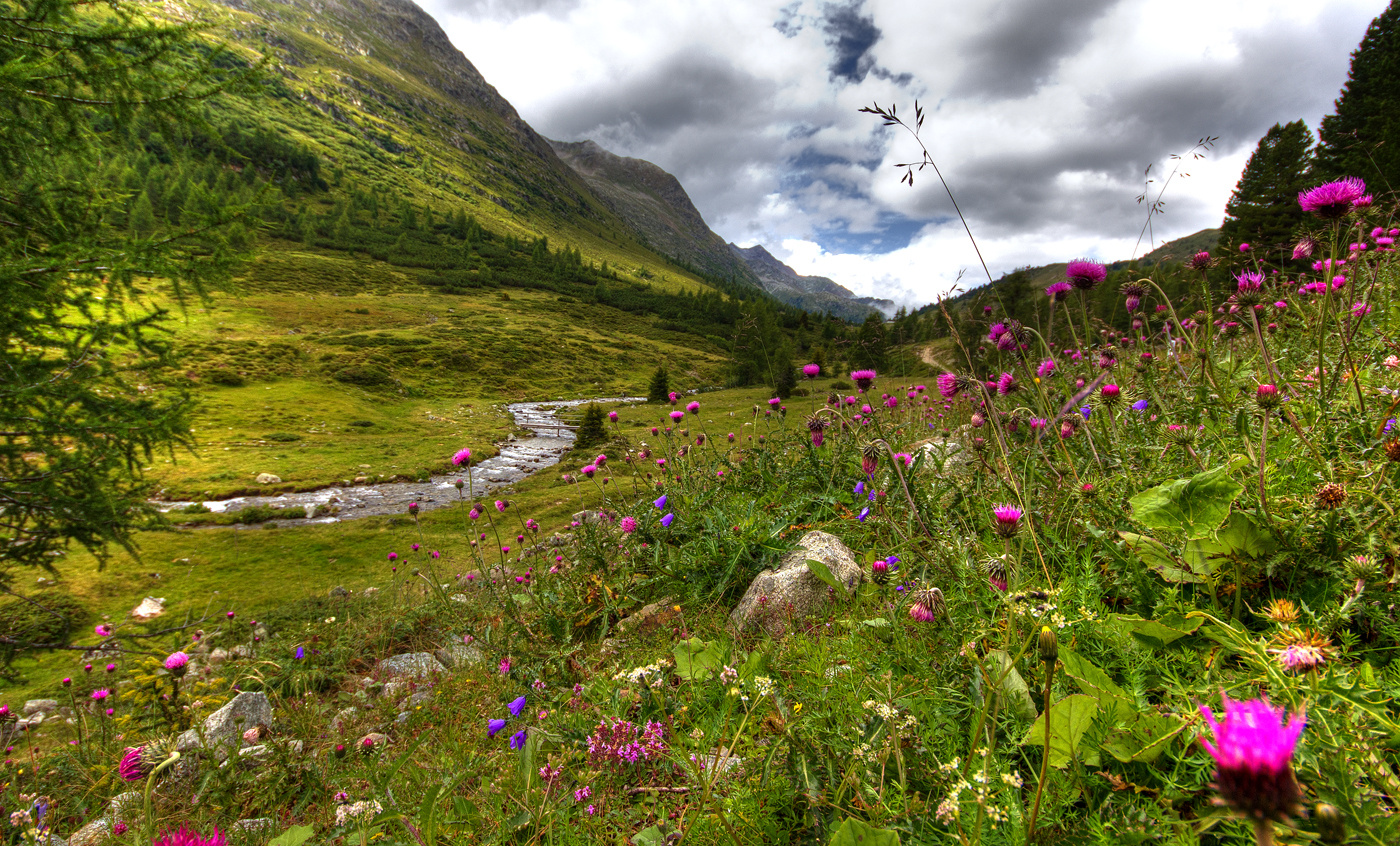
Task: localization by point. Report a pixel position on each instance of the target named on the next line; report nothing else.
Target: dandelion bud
(1049, 645)
(1331, 826)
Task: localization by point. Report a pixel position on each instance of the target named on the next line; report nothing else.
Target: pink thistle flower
(612, 416)
(132, 766)
(100, 694)
(1253, 752)
(176, 663)
(588, 470)
(1007, 384)
(1084, 274)
(628, 524)
(1008, 520)
(463, 456)
(184, 836)
(505, 666)
(1332, 200)
(693, 407)
(864, 379)
(678, 416)
(811, 371)
(1058, 291)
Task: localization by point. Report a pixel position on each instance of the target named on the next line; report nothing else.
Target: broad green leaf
(1242, 535)
(1096, 683)
(651, 836)
(697, 659)
(756, 663)
(821, 571)
(1145, 739)
(1158, 633)
(1194, 506)
(294, 836)
(1158, 559)
(853, 832)
(876, 623)
(1069, 719)
(1013, 687)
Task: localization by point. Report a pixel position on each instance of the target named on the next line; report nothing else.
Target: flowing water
(519, 457)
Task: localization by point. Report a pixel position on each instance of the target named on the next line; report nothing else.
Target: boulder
(458, 655)
(791, 592)
(218, 655)
(648, 618)
(93, 833)
(343, 718)
(223, 730)
(40, 706)
(412, 665)
(268, 479)
(150, 608)
(372, 741)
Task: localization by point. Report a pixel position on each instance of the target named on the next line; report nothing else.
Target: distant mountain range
(656, 205)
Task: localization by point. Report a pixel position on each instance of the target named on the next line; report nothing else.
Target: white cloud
(1041, 114)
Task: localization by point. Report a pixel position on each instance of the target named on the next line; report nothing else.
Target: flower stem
(1044, 761)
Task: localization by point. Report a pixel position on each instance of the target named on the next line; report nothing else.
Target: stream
(519, 457)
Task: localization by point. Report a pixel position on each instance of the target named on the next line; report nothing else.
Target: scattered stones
(268, 479)
(150, 608)
(422, 697)
(648, 618)
(792, 592)
(409, 665)
(223, 730)
(343, 718)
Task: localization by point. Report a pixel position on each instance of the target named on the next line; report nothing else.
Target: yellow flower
(797, 707)
(1037, 380)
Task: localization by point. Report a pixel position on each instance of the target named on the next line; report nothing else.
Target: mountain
(811, 293)
(653, 202)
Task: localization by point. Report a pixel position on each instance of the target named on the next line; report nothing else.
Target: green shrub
(48, 618)
(364, 375)
(224, 376)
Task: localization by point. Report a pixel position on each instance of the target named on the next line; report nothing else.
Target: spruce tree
(660, 388)
(76, 333)
(1263, 211)
(591, 430)
(1362, 137)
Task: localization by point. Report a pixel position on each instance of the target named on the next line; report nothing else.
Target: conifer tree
(660, 388)
(1263, 211)
(75, 428)
(1362, 136)
(591, 430)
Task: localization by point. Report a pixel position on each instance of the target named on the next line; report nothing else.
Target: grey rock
(261, 825)
(791, 591)
(91, 834)
(376, 741)
(268, 479)
(340, 592)
(223, 730)
(403, 717)
(124, 802)
(409, 665)
(344, 718)
(644, 616)
(40, 706)
(218, 656)
(259, 751)
(422, 697)
(457, 655)
(393, 690)
(242, 650)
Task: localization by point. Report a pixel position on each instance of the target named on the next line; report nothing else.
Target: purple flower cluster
(618, 741)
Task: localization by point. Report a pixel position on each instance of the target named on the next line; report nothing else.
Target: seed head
(1330, 495)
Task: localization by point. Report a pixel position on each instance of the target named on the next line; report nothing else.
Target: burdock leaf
(1194, 506)
(1013, 687)
(1069, 719)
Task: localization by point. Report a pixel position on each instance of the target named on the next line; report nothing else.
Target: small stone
(268, 479)
(91, 834)
(150, 608)
(403, 717)
(393, 690)
(339, 592)
(223, 729)
(409, 665)
(40, 706)
(218, 656)
(343, 718)
(458, 655)
(258, 751)
(422, 697)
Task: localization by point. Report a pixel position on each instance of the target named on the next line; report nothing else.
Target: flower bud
(1049, 645)
(1331, 827)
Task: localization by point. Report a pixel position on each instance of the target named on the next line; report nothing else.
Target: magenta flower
(1331, 200)
(863, 378)
(1006, 384)
(950, 385)
(811, 371)
(1058, 291)
(176, 662)
(132, 767)
(1046, 368)
(628, 524)
(1253, 752)
(462, 456)
(588, 470)
(1084, 274)
(678, 416)
(1008, 520)
(184, 836)
(505, 666)
(100, 694)
(1249, 283)
(103, 630)
(393, 556)
(612, 416)
(501, 506)
(693, 407)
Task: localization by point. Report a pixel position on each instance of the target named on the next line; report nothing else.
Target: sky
(1047, 118)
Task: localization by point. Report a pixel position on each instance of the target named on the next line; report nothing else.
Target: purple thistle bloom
(811, 371)
(678, 416)
(1008, 519)
(693, 407)
(668, 520)
(463, 456)
(517, 740)
(1058, 291)
(493, 726)
(184, 836)
(1046, 368)
(516, 706)
(132, 768)
(863, 378)
(1084, 274)
(176, 661)
(1331, 200)
(1253, 752)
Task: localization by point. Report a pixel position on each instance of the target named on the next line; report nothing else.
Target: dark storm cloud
(686, 90)
(850, 35)
(1023, 42)
(508, 10)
